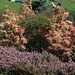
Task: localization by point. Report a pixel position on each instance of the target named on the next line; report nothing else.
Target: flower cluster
(60, 35)
(12, 33)
(59, 14)
(33, 62)
(28, 2)
(58, 10)
(13, 16)
(25, 10)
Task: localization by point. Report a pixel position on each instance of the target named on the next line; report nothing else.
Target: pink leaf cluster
(60, 34)
(12, 33)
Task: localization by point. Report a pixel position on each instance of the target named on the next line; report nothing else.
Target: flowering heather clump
(33, 62)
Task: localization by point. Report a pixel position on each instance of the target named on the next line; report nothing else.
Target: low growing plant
(13, 61)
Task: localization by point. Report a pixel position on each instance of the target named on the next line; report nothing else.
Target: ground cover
(68, 4)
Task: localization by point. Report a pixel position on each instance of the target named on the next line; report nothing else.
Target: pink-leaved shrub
(60, 34)
(12, 33)
(25, 10)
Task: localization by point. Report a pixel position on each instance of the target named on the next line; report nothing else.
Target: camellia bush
(11, 33)
(61, 35)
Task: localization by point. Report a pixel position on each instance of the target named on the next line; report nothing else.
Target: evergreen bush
(34, 24)
(39, 5)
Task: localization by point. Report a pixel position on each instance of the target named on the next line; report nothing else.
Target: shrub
(25, 10)
(47, 13)
(39, 5)
(71, 18)
(13, 61)
(61, 35)
(34, 24)
(28, 2)
(12, 34)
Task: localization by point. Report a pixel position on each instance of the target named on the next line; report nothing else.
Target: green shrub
(40, 5)
(47, 13)
(34, 24)
(37, 22)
